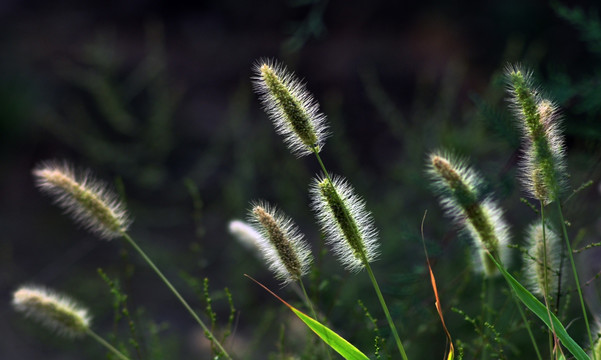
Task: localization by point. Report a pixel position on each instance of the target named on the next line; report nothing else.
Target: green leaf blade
(335, 341)
(540, 310)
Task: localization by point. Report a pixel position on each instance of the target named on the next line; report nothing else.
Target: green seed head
(292, 109)
(347, 225)
(283, 246)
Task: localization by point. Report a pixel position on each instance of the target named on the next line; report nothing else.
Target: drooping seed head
(346, 223)
(282, 244)
(459, 189)
(292, 109)
(534, 259)
(88, 201)
(57, 312)
(543, 170)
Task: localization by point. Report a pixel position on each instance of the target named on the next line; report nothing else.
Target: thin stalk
(569, 247)
(104, 343)
(372, 278)
(310, 304)
(386, 312)
(488, 309)
(525, 320)
(321, 164)
(176, 293)
(545, 280)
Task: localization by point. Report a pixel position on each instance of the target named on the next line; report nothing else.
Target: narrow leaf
(541, 311)
(335, 341)
(451, 353)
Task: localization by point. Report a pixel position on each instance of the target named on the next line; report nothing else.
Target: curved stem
(104, 343)
(207, 331)
(569, 247)
(386, 312)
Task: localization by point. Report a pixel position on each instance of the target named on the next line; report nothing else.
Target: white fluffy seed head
(88, 201)
(281, 243)
(534, 259)
(293, 110)
(348, 227)
(542, 169)
(57, 312)
(246, 235)
(459, 189)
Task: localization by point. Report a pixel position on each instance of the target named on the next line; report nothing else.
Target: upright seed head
(283, 246)
(57, 312)
(543, 165)
(347, 225)
(459, 188)
(534, 259)
(292, 109)
(87, 200)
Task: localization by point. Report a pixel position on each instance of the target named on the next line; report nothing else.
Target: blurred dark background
(155, 98)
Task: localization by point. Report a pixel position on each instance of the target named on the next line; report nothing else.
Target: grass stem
(569, 247)
(104, 343)
(207, 331)
(386, 312)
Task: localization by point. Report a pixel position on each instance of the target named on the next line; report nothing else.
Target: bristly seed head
(292, 109)
(246, 235)
(282, 244)
(535, 256)
(87, 200)
(347, 225)
(543, 166)
(459, 189)
(57, 312)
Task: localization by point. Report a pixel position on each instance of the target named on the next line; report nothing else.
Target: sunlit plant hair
(543, 163)
(459, 188)
(86, 199)
(292, 109)
(57, 312)
(283, 246)
(347, 225)
(534, 259)
(246, 235)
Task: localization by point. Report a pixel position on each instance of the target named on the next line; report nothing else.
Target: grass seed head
(543, 170)
(534, 259)
(459, 190)
(57, 312)
(282, 244)
(346, 223)
(292, 109)
(88, 201)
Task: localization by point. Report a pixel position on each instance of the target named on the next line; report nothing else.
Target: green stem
(552, 335)
(106, 344)
(371, 276)
(310, 305)
(569, 247)
(176, 293)
(321, 164)
(525, 320)
(386, 312)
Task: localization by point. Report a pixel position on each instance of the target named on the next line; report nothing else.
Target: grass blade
(335, 341)
(541, 311)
